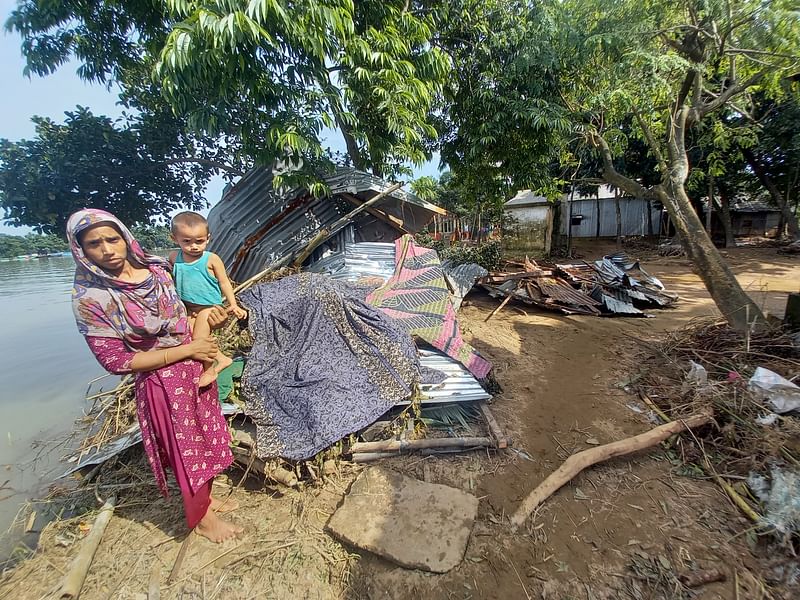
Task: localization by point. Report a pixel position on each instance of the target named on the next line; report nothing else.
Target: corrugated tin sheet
(357, 260)
(459, 385)
(255, 226)
(461, 280)
(128, 439)
(633, 212)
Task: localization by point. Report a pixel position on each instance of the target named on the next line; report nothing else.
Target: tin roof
(255, 225)
(526, 198)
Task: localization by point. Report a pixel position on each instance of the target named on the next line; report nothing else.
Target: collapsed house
(256, 227)
(615, 285)
(351, 234)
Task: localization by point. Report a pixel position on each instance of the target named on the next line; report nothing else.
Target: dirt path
(563, 379)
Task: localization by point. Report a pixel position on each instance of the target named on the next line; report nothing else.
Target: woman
(126, 307)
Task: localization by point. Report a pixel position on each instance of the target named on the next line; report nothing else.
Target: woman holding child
(126, 307)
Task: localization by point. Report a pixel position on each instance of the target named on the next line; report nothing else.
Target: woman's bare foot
(224, 506)
(216, 529)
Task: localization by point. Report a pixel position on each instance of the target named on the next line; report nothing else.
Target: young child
(201, 281)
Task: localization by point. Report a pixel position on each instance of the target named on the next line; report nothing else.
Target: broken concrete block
(415, 524)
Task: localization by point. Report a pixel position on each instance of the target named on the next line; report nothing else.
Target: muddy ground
(619, 530)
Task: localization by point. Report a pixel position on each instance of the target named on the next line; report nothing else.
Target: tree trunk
(350, 143)
(779, 199)
(619, 218)
(597, 212)
(736, 306)
(725, 217)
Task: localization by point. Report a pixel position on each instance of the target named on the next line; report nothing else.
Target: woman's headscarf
(144, 315)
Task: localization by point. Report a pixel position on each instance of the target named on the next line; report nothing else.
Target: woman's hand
(204, 349)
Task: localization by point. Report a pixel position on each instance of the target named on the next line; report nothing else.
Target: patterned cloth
(417, 297)
(145, 315)
(324, 364)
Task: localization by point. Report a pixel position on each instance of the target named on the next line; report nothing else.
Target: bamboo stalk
(324, 233)
(411, 445)
(76, 576)
(582, 460)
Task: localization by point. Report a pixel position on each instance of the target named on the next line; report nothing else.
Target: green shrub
(488, 254)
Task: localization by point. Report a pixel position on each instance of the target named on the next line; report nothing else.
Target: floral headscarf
(144, 315)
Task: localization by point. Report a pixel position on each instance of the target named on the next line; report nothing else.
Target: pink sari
(182, 427)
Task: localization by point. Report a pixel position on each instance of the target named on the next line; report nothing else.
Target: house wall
(531, 231)
(755, 223)
(633, 212)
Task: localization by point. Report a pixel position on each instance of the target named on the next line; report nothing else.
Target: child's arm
(173, 254)
(225, 286)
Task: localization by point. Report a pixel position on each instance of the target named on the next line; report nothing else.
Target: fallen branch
(75, 577)
(699, 578)
(582, 460)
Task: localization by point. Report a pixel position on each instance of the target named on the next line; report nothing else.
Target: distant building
(530, 230)
(595, 215)
(749, 217)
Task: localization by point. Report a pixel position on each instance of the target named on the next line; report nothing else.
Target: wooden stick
(499, 308)
(500, 439)
(323, 235)
(700, 578)
(176, 566)
(580, 461)
(76, 575)
(153, 585)
(249, 459)
(410, 445)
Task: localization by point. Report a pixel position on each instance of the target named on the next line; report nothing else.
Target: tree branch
(648, 134)
(204, 161)
(724, 96)
(612, 176)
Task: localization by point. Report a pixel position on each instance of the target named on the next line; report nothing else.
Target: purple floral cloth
(324, 364)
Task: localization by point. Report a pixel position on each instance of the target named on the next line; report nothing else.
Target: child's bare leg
(200, 329)
(221, 361)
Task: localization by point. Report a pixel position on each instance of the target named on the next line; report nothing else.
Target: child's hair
(192, 219)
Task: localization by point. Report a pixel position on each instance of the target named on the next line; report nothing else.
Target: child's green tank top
(194, 283)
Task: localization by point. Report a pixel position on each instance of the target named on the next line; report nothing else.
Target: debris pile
(753, 451)
(614, 285)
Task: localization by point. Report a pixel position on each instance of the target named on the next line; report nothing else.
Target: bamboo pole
(76, 576)
(411, 445)
(325, 233)
(582, 460)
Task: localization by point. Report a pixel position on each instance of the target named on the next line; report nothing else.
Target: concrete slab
(415, 524)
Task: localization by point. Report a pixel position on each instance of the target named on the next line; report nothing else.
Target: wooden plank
(494, 428)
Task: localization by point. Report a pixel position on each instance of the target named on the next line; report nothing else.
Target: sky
(54, 94)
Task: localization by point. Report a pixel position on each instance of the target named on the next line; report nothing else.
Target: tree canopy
(137, 170)
(274, 76)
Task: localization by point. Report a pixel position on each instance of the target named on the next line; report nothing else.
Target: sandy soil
(616, 531)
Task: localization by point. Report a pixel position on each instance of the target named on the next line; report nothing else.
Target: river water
(43, 379)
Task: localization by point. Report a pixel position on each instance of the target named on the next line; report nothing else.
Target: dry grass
(284, 551)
